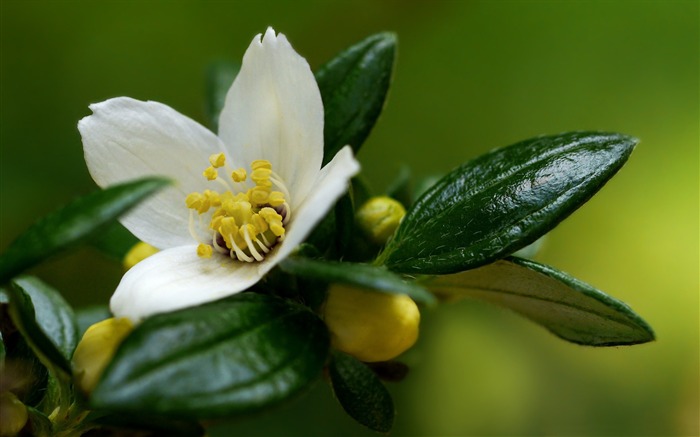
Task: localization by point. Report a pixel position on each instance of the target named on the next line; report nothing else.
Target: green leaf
(45, 320)
(231, 356)
(220, 76)
(361, 393)
(504, 200)
(54, 316)
(115, 241)
(356, 274)
(353, 87)
(88, 316)
(73, 224)
(567, 307)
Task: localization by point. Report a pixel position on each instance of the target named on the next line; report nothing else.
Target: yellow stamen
(217, 160)
(210, 173)
(204, 251)
(245, 221)
(238, 175)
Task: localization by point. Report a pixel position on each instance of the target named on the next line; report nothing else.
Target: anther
(217, 160)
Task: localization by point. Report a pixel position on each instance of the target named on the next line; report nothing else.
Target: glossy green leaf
(45, 320)
(115, 241)
(73, 224)
(356, 274)
(231, 356)
(353, 87)
(361, 393)
(220, 76)
(504, 200)
(567, 307)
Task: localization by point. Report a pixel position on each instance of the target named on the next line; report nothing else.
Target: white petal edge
(177, 278)
(332, 182)
(274, 111)
(126, 139)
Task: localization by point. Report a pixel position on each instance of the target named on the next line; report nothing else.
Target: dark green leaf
(353, 87)
(73, 224)
(220, 76)
(504, 200)
(115, 241)
(361, 393)
(45, 320)
(359, 275)
(231, 356)
(54, 315)
(567, 307)
(88, 316)
(344, 223)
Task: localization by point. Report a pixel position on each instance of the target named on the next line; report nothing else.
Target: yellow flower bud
(139, 252)
(13, 414)
(96, 349)
(379, 217)
(369, 325)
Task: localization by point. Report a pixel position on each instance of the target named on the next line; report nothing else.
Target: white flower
(262, 191)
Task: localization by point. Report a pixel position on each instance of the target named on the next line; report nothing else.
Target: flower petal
(332, 183)
(126, 139)
(177, 278)
(274, 111)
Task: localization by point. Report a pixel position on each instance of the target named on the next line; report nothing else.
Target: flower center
(245, 220)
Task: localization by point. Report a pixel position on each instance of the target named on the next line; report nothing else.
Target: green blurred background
(470, 76)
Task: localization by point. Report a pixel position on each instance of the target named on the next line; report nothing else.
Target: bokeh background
(470, 76)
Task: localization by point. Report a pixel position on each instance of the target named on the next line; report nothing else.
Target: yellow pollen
(260, 163)
(276, 198)
(217, 160)
(204, 251)
(242, 224)
(238, 175)
(210, 173)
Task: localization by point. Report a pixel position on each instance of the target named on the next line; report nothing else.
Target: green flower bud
(369, 325)
(96, 349)
(379, 217)
(13, 414)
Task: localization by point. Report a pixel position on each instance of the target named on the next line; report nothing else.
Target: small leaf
(73, 224)
(504, 200)
(353, 87)
(359, 275)
(45, 320)
(231, 356)
(567, 307)
(361, 393)
(220, 76)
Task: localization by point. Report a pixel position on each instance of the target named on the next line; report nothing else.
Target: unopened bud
(13, 414)
(379, 217)
(139, 252)
(96, 349)
(370, 325)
